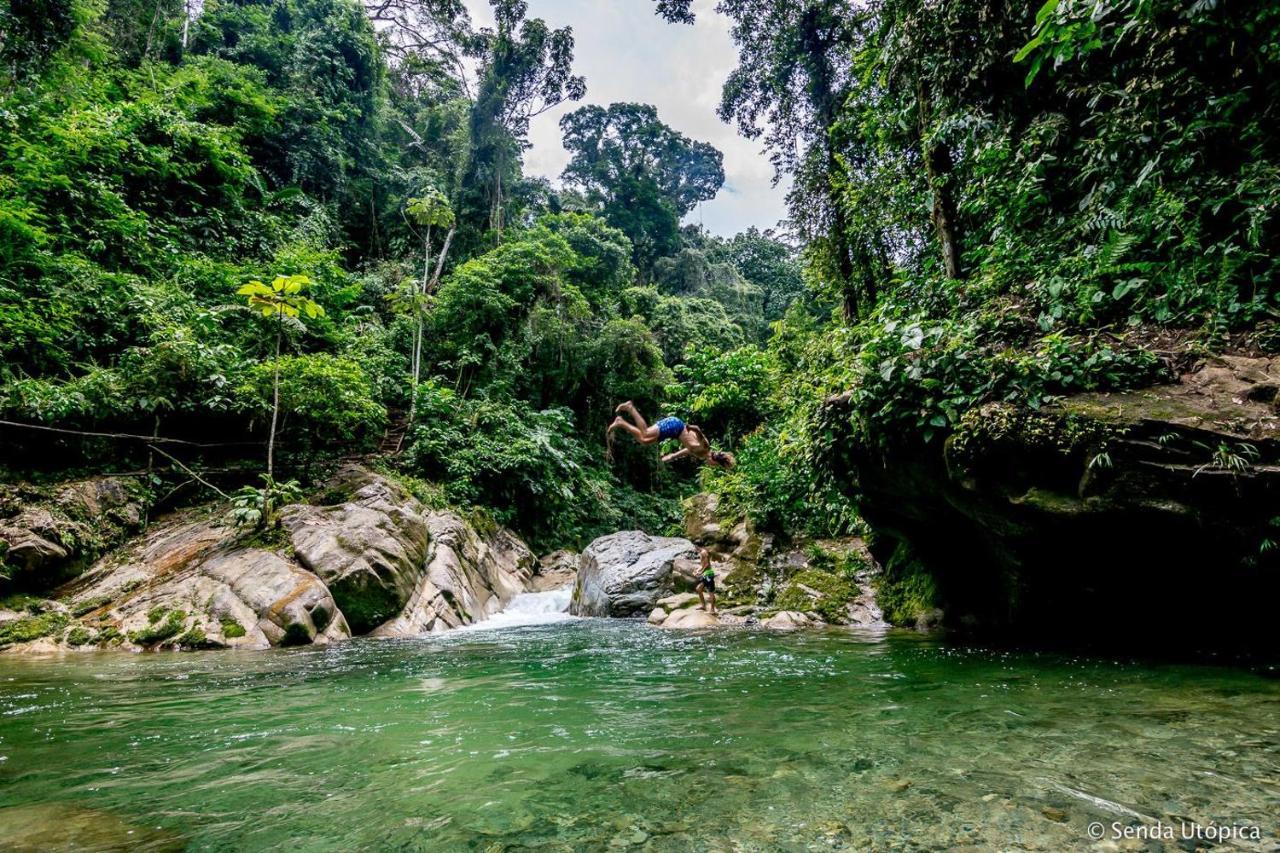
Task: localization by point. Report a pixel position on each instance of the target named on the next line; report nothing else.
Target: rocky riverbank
(759, 581)
(368, 558)
(372, 560)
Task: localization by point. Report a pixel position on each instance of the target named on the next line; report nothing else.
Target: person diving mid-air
(693, 442)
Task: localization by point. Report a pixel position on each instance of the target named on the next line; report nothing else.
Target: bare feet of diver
(622, 407)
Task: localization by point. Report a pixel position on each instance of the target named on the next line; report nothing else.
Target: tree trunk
(495, 212)
(937, 166)
(844, 260)
(817, 47)
(444, 251)
(415, 362)
(275, 399)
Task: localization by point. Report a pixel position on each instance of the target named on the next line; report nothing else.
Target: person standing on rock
(695, 443)
(706, 582)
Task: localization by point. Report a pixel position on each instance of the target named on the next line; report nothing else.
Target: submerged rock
(66, 826)
(625, 573)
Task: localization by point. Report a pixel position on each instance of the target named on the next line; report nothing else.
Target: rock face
(47, 535)
(191, 581)
(557, 569)
(1107, 518)
(466, 578)
(624, 574)
(188, 583)
(704, 525)
(396, 568)
(369, 549)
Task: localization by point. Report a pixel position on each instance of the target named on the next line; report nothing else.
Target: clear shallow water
(590, 734)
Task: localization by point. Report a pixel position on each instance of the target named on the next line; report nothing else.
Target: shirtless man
(693, 442)
(706, 581)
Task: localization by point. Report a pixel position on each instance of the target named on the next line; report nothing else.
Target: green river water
(595, 734)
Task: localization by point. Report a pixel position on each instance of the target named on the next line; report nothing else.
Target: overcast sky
(628, 53)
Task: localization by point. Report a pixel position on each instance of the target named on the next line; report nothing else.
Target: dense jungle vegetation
(990, 201)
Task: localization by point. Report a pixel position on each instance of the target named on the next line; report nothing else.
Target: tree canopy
(643, 174)
(989, 202)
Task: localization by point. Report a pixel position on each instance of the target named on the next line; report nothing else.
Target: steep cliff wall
(1151, 516)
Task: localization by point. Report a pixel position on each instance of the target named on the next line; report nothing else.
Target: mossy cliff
(1148, 516)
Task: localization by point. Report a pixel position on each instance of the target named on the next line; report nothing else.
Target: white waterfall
(529, 608)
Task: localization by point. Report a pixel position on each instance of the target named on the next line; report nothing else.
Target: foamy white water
(528, 608)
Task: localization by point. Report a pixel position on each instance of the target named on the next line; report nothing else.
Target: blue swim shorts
(670, 427)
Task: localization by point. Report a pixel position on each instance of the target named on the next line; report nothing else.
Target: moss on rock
(231, 629)
(296, 635)
(905, 590)
(30, 628)
(822, 593)
(78, 636)
(159, 631)
(740, 586)
(195, 638)
(366, 605)
(89, 605)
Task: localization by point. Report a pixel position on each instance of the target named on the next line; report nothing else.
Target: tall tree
(768, 263)
(642, 173)
(526, 69)
(427, 35)
(794, 73)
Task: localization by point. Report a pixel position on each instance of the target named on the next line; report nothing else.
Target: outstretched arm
(679, 454)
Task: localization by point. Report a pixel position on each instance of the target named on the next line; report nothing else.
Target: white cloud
(628, 53)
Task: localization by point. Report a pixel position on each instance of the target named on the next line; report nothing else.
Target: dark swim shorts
(670, 428)
(708, 582)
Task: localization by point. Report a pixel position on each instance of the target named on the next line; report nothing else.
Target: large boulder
(370, 548)
(625, 573)
(397, 568)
